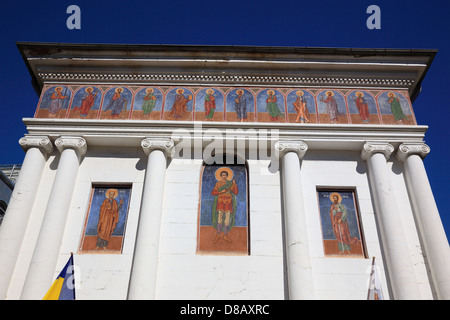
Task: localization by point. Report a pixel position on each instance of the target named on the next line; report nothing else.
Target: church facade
(216, 172)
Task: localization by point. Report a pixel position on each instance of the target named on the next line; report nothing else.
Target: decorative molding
(224, 78)
(283, 147)
(41, 142)
(77, 143)
(407, 149)
(165, 145)
(370, 148)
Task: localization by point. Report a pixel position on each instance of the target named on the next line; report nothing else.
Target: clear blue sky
(320, 23)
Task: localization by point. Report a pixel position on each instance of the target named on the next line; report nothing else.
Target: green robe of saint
(272, 107)
(149, 103)
(396, 109)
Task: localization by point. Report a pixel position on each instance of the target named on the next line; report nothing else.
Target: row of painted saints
(228, 104)
(223, 216)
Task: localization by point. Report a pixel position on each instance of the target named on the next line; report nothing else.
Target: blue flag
(63, 288)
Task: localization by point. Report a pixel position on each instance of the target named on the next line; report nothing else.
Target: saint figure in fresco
(396, 108)
(210, 104)
(109, 216)
(362, 106)
(300, 105)
(87, 102)
(224, 205)
(339, 223)
(240, 103)
(149, 102)
(332, 106)
(117, 103)
(57, 100)
(180, 105)
(272, 106)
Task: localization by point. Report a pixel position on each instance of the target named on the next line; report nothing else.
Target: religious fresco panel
(331, 107)
(227, 104)
(270, 106)
(86, 103)
(106, 219)
(209, 105)
(54, 102)
(395, 108)
(362, 107)
(179, 104)
(301, 107)
(223, 210)
(240, 106)
(117, 103)
(341, 231)
(148, 104)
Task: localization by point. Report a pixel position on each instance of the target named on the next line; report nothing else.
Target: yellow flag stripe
(55, 290)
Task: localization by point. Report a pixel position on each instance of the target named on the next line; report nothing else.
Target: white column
(432, 233)
(43, 263)
(399, 264)
(20, 204)
(145, 260)
(300, 279)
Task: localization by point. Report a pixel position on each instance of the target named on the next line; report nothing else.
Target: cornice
(130, 133)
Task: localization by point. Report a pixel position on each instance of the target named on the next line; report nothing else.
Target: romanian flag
(375, 292)
(63, 288)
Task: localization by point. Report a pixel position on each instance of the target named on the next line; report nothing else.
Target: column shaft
(43, 263)
(300, 279)
(145, 260)
(13, 228)
(432, 233)
(399, 264)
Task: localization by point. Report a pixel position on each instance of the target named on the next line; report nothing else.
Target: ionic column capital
(77, 143)
(407, 149)
(41, 142)
(370, 148)
(283, 147)
(165, 145)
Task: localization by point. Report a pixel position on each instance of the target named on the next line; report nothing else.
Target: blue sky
(320, 23)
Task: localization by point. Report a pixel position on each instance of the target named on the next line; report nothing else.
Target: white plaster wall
(183, 274)
(339, 278)
(348, 278)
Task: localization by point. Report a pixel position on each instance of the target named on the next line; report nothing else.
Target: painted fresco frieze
(225, 104)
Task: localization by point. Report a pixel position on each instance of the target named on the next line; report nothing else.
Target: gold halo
(359, 92)
(86, 90)
(299, 93)
(179, 89)
(228, 170)
(391, 94)
(117, 89)
(332, 93)
(60, 88)
(111, 190)
(239, 90)
(335, 194)
(149, 90)
(269, 91)
(209, 91)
